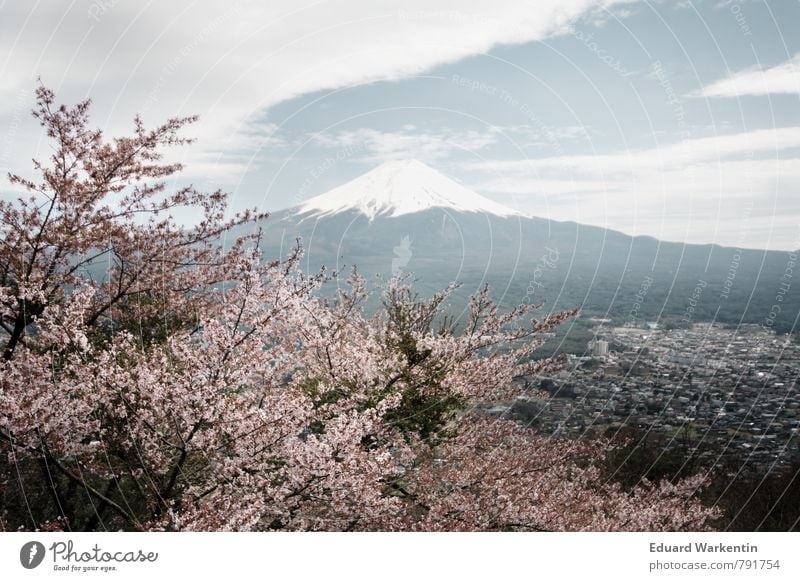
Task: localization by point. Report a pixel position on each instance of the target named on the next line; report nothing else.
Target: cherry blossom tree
(187, 386)
(99, 214)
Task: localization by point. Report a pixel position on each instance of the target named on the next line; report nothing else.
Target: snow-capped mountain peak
(400, 187)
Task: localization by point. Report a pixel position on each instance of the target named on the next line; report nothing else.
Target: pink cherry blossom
(187, 386)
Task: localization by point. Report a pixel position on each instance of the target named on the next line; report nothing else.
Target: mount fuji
(406, 217)
(397, 188)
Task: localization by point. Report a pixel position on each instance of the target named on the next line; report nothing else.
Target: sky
(676, 119)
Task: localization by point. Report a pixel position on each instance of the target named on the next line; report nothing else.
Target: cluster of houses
(707, 389)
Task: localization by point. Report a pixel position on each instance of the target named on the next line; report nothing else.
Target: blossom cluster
(188, 386)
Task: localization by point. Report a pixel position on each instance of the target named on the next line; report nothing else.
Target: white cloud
(783, 78)
(230, 60)
(680, 154)
(411, 142)
(691, 191)
(747, 204)
(372, 145)
(532, 186)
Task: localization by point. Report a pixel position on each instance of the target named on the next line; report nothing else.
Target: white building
(598, 347)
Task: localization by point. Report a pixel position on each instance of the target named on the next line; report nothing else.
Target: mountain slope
(410, 224)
